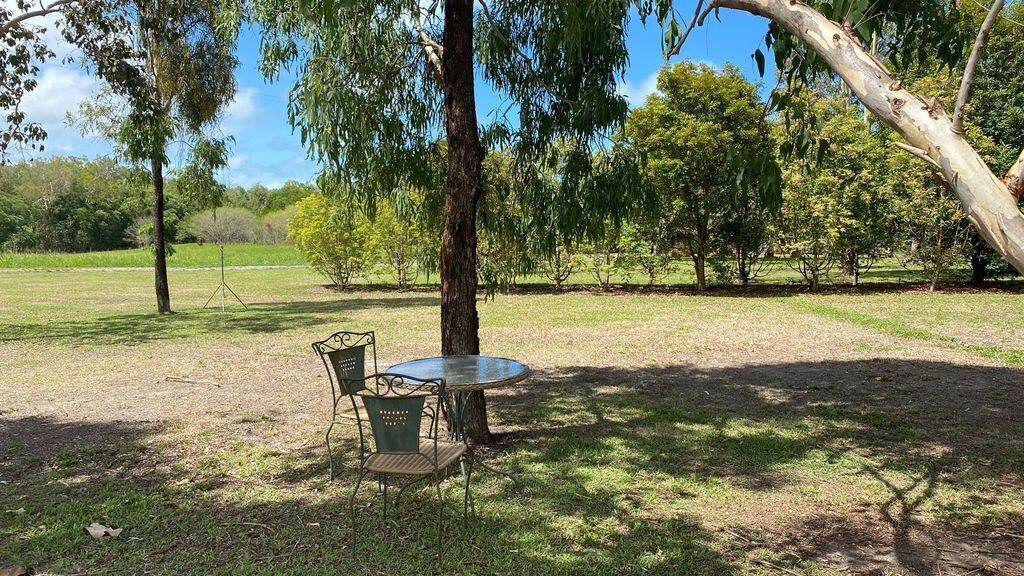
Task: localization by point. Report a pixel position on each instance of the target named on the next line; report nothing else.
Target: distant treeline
(78, 205)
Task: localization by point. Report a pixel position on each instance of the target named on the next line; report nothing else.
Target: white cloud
(244, 112)
(243, 171)
(636, 92)
(60, 90)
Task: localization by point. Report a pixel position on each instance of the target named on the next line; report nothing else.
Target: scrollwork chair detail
(344, 357)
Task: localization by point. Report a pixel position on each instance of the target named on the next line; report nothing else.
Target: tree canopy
(709, 148)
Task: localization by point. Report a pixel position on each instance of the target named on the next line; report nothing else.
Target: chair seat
(417, 464)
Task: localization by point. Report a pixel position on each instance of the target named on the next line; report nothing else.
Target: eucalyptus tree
(94, 27)
(379, 84)
(188, 71)
(834, 37)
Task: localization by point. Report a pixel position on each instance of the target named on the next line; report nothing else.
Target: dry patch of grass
(661, 433)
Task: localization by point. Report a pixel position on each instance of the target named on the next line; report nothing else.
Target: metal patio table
(463, 375)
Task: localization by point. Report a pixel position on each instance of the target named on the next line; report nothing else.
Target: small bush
(273, 226)
(335, 239)
(223, 226)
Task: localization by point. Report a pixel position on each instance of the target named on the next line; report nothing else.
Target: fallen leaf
(95, 530)
(18, 511)
(99, 531)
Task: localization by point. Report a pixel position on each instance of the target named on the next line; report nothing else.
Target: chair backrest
(395, 406)
(344, 357)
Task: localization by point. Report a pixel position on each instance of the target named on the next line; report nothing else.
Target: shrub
(223, 226)
(273, 226)
(335, 239)
(562, 263)
(401, 242)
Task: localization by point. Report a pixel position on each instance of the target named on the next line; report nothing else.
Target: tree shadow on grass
(907, 429)
(617, 465)
(195, 517)
(259, 318)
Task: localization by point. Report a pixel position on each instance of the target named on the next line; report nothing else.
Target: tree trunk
(699, 269)
(459, 321)
(989, 202)
(163, 295)
(979, 259)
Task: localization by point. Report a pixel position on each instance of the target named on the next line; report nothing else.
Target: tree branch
(972, 64)
(433, 50)
(984, 196)
(689, 28)
(54, 6)
(918, 152)
(1015, 178)
(515, 48)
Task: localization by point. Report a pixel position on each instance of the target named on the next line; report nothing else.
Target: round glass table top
(463, 373)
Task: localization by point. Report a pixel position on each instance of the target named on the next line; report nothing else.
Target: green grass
(662, 434)
(183, 256)
(989, 325)
(208, 255)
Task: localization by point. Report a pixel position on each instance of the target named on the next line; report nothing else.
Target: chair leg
(384, 481)
(467, 498)
(398, 497)
(352, 509)
(440, 514)
(330, 455)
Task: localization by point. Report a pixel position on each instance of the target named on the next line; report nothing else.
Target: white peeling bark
(1015, 178)
(986, 199)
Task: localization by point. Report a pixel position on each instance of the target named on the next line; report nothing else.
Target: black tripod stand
(223, 288)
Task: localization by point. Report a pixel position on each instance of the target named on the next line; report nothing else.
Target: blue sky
(266, 151)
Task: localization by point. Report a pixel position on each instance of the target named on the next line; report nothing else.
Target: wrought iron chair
(344, 358)
(396, 408)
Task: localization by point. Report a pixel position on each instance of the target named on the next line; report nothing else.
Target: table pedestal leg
(457, 432)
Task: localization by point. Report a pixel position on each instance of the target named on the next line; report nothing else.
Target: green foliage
(607, 261)
(935, 224)
(98, 29)
(335, 239)
(195, 180)
(374, 119)
(561, 263)
(646, 248)
(68, 204)
(707, 141)
(811, 223)
(262, 200)
(401, 241)
(188, 73)
(844, 206)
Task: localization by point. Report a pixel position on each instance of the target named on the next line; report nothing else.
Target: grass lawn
(774, 432)
(889, 270)
(183, 256)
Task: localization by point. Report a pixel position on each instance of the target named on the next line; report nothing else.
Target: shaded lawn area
(662, 434)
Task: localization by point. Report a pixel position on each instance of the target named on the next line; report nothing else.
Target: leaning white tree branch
(44, 9)
(986, 199)
(1015, 178)
(972, 65)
